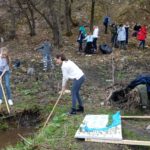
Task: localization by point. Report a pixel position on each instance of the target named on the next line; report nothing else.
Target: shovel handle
(52, 110)
(5, 97)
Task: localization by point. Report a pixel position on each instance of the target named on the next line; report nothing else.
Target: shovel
(5, 97)
(52, 110)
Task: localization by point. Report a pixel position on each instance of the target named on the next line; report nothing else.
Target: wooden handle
(5, 97)
(52, 110)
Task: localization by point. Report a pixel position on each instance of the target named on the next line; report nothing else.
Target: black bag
(105, 49)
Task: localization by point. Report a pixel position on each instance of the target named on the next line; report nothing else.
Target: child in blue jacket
(45, 49)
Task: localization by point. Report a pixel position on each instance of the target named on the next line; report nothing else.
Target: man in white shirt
(71, 71)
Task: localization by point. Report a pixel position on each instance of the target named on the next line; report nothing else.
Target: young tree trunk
(67, 15)
(32, 31)
(92, 15)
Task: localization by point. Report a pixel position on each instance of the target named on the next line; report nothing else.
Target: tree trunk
(70, 15)
(56, 26)
(13, 20)
(68, 23)
(56, 29)
(53, 21)
(92, 15)
(32, 31)
(31, 23)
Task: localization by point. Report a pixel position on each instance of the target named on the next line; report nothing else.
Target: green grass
(3, 126)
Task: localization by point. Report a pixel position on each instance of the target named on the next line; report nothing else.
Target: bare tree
(28, 12)
(52, 18)
(56, 26)
(67, 15)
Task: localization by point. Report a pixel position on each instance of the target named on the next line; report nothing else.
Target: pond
(18, 125)
(11, 136)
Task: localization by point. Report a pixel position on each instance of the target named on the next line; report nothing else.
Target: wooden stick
(113, 69)
(52, 110)
(126, 142)
(24, 139)
(5, 97)
(135, 117)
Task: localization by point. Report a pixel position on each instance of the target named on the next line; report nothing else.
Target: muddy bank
(24, 123)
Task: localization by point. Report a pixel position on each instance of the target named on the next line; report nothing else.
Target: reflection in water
(10, 137)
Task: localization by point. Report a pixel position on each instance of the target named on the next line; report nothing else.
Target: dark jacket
(142, 79)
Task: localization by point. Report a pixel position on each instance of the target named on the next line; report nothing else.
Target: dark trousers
(75, 91)
(142, 44)
(95, 43)
(89, 48)
(106, 28)
(80, 45)
(122, 45)
(114, 40)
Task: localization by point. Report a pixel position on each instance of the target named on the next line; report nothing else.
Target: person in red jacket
(141, 36)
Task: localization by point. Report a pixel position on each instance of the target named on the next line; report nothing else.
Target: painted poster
(104, 127)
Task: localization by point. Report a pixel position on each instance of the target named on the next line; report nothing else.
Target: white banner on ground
(104, 127)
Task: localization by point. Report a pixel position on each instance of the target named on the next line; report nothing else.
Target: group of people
(90, 39)
(120, 35)
(69, 69)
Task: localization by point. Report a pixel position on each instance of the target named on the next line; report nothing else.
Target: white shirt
(89, 38)
(70, 71)
(95, 32)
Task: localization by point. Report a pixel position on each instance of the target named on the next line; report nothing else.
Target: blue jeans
(75, 91)
(6, 78)
(47, 62)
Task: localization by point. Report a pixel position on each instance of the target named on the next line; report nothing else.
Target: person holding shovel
(5, 74)
(71, 71)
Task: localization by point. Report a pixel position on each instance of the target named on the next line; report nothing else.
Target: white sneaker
(10, 102)
(1, 101)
